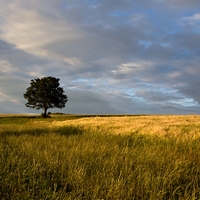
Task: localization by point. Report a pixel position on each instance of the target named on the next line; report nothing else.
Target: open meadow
(100, 157)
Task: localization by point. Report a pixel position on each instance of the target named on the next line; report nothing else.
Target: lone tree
(45, 93)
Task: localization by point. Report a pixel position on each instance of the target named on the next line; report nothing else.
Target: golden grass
(114, 157)
(181, 127)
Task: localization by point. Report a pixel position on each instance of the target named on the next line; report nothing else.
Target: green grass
(41, 161)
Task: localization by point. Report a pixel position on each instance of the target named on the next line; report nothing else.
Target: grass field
(100, 157)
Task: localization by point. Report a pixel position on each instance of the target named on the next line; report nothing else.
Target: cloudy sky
(112, 56)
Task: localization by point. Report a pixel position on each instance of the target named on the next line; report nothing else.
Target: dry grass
(180, 127)
(18, 115)
(121, 157)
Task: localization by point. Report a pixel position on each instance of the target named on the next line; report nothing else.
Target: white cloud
(175, 75)
(32, 31)
(133, 68)
(6, 67)
(191, 19)
(191, 22)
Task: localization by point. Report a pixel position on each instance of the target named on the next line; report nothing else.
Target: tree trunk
(45, 112)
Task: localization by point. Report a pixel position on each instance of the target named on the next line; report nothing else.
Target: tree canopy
(45, 93)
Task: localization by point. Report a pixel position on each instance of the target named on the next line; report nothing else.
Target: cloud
(111, 56)
(89, 102)
(6, 67)
(31, 30)
(191, 22)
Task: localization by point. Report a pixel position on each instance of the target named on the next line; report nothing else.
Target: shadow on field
(66, 131)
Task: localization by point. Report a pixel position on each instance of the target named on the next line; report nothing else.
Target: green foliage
(45, 93)
(38, 161)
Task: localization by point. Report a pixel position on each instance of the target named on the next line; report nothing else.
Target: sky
(111, 56)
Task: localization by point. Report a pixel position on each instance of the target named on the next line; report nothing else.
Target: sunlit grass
(179, 127)
(135, 157)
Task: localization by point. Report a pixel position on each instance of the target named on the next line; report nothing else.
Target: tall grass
(152, 157)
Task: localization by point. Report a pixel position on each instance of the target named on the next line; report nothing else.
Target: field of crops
(100, 157)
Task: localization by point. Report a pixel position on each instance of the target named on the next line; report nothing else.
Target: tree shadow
(69, 130)
(66, 131)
